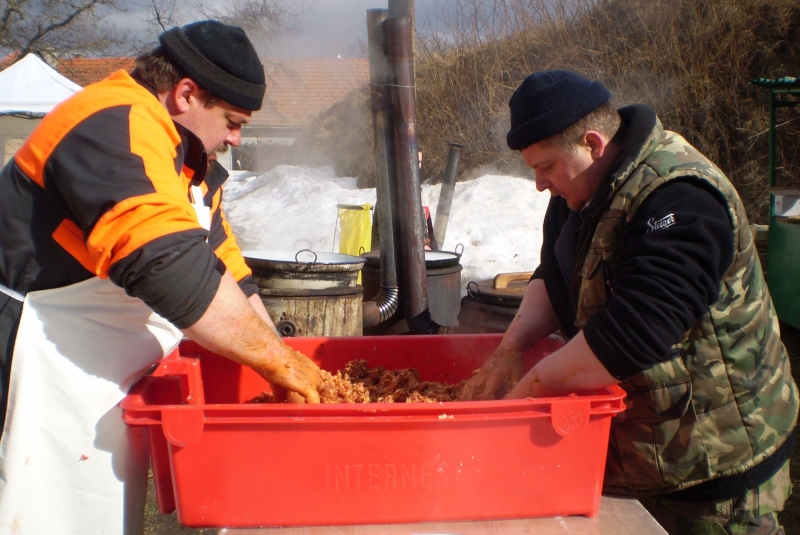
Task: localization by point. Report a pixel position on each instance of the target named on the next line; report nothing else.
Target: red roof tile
(8, 60)
(85, 71)
(299, 89)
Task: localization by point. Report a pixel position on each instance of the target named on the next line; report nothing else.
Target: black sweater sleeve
(664, 277)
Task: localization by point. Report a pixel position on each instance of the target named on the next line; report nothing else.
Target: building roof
(82, 71)
(300, 89)
(85, 71)
(297, 89)
(8, 60)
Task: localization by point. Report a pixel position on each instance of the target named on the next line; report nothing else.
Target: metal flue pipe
(404, 8)
(412, 251)
(386, 302)
(446, 192)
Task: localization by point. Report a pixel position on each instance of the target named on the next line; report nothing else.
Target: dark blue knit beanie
(547, 103)
(221, 59)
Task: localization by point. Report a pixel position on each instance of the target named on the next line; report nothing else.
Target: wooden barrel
(309, 294)
(315, 312)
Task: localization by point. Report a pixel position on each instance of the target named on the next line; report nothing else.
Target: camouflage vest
(729, 400)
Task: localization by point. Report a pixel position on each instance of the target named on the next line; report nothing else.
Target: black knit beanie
(547, 103)
(221, 59)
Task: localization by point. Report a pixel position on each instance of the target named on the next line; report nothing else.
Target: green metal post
(772, 150)
(783, 257)
(771, 140)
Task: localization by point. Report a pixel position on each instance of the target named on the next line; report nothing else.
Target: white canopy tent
(32, 87)
(28, 89)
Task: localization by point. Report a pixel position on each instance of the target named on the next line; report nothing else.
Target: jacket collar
(638, 137)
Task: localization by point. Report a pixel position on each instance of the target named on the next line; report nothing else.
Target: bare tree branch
(71, 27)
(56, 26)
(265, 21)
(53, 26)
(163, 15)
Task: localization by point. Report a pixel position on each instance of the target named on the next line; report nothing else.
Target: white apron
(68, 463)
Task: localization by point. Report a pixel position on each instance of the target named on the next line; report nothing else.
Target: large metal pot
(303, 269)
(308, 293)
(441, 259)
(491, 304)
(433, 259)
(443, 278)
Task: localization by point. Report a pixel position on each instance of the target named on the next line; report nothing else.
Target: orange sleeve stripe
(231, 255)
(136, 221)
(133, 223)
(70, 237)
(216, 200)
(154, 138)
(117, 90)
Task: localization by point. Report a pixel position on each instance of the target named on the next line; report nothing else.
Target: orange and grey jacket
(101, 188)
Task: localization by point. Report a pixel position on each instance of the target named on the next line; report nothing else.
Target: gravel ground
(156, 524)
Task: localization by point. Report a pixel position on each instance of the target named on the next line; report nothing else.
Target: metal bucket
(309, 293)
(443, 274)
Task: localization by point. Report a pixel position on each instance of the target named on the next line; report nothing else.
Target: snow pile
(497, 219)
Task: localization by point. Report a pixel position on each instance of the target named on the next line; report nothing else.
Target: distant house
(297, 91)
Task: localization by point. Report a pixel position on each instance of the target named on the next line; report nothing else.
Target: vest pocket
(593, 292)
(658, 436)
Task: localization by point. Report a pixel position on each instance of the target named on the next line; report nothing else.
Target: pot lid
(433, 259)
(440, 256)
(304, 256)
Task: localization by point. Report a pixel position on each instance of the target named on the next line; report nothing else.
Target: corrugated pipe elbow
(381, 307)
(422, 323)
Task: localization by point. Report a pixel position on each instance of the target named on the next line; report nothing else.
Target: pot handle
(459, 253)
(304, 251)
(470, 290)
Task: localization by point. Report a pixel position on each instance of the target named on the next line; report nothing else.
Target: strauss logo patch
(666, 221)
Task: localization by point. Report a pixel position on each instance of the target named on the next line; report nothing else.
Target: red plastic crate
(223, 463)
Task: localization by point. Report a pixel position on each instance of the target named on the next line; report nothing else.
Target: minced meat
(358, 383)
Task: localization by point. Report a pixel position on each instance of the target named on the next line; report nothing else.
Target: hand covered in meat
(295, 379)
(358, 383)
(496, 377)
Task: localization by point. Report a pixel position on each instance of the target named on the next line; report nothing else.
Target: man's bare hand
(295, 378)
(530, 386)
(496, 377)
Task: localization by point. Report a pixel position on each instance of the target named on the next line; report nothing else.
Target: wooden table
(618, 516)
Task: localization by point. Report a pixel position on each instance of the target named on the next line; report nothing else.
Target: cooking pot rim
(302, 257)
(433, 259)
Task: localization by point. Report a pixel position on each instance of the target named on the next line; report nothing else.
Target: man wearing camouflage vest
(649, 269)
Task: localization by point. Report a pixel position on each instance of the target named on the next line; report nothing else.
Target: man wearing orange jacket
(113, 247)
